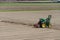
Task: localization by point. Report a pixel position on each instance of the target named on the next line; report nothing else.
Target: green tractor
(44, 23)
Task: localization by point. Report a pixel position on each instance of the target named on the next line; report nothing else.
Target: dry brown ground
(42, 7)
(11, 31)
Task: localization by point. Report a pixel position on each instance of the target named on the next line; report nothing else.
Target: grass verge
(28, 4)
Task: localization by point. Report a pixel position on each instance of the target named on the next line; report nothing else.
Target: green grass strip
(28, 4)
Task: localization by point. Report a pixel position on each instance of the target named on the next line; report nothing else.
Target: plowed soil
(12, 25)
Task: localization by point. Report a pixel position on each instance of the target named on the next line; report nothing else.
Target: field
(18, 25)
(29, 6)
(17, 20)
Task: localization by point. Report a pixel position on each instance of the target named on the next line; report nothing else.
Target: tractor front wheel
(43, 25)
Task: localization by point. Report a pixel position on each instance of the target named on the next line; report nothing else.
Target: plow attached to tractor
(43, 23)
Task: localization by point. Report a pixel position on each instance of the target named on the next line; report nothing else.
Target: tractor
(43, 23)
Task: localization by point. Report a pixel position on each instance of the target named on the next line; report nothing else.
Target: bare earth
(12, 25)
(42, 7)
